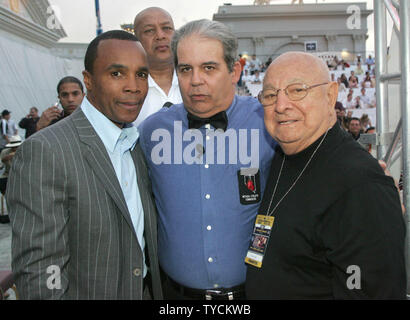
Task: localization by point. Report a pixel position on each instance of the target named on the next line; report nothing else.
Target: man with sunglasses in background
(330, 224)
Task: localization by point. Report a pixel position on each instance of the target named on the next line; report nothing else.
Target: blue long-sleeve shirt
(204, 229)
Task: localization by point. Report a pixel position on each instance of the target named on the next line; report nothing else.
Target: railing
(400, 14)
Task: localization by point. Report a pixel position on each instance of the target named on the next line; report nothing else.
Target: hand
(8, 157)
(47, 116)
(387, 173)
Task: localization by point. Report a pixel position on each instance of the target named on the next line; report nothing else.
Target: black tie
(218, 121)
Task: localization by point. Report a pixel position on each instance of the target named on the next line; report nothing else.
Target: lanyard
(296, 180)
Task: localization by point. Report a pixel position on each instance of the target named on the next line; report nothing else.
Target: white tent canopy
(30, 63)
(30, 75)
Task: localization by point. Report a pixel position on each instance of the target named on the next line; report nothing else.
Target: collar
(229, 112)
(218, 121)
(109, 133)
(333, 138)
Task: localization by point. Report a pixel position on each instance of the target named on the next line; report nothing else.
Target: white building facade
(270, 30)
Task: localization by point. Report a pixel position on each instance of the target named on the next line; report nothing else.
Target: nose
(160, 34)
(196, 78)
(132, 85)
(282, 102)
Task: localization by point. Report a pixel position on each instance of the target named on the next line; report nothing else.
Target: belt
(234, 293)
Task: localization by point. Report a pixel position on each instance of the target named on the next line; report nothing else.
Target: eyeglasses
(294, 91)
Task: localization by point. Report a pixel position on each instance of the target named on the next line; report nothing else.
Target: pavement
(5, 252)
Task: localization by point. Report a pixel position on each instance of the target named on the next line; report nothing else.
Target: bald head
(304, 61)
(154, 28)
(149, 12)
(305, 100)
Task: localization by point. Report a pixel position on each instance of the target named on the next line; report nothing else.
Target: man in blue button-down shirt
(207, 182)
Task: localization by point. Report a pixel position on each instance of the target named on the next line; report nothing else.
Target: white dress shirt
(365, 101)
(350, 104)
(156, 98)
(256, 64)
(9, 128)
(247, 78)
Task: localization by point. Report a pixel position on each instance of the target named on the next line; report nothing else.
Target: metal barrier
(400, 14)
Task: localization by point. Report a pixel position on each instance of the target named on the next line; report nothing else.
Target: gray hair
(212, 30)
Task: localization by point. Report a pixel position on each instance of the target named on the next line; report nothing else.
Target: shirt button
(208, 196)
(209, 228)
(208, 137)
(137, 272)
(126, 184)
(207, 166)
(210, 260)
(208, 126)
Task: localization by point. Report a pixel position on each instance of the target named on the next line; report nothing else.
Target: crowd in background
(356, 81)
(357, 91)
(252, 70)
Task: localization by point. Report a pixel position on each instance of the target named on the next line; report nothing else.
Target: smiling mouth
(287, 122)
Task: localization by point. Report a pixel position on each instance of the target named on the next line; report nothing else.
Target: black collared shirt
(29, 124)
(342, 212)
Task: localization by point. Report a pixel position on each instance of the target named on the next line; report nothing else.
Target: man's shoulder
(249, 100)
(163, 118)
(251, 107)
(60, 132)
(355, 165)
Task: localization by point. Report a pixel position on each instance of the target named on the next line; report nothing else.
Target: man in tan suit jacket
(83, 218)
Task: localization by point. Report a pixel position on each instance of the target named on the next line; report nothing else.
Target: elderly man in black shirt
(330, 225)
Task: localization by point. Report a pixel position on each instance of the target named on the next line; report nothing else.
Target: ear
(332, 93)
(87, 80)
(236, 72)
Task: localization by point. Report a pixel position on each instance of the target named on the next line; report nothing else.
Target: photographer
(29, 122)
(70, 94)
